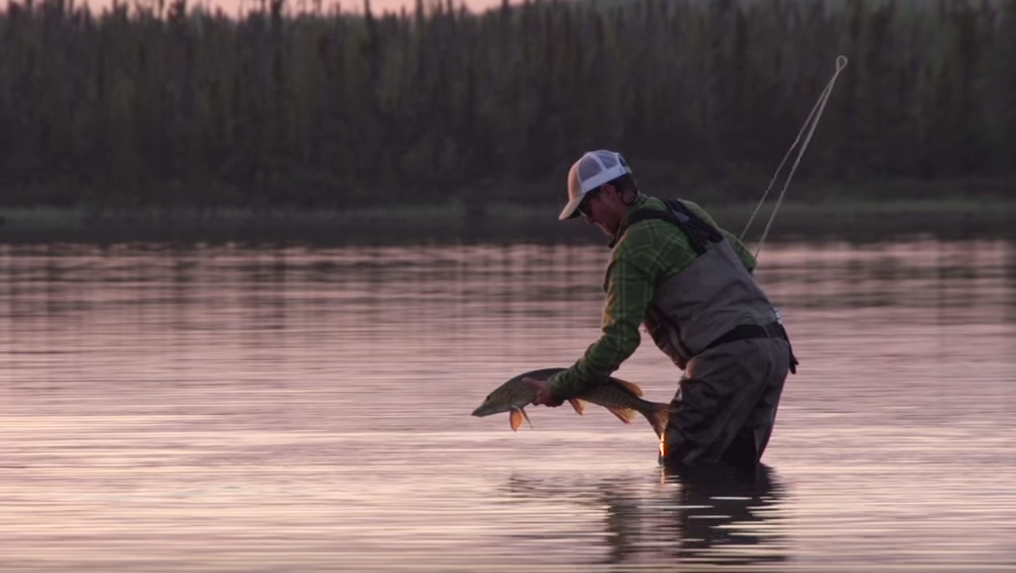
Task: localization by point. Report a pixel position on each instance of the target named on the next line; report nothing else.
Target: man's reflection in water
(707, 516)
(722, 515)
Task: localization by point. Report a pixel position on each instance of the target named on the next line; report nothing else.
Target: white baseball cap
(593, 169)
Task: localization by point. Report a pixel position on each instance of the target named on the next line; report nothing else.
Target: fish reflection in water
(717, 516)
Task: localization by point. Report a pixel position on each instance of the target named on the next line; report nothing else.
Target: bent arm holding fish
(631, 277)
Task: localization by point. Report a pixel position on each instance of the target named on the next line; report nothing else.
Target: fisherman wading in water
(690, 283)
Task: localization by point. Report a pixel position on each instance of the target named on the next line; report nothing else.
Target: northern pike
(621, 398)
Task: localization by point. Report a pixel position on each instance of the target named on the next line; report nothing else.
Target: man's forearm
(601, 359)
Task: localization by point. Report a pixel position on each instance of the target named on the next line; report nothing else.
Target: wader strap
(699, 232)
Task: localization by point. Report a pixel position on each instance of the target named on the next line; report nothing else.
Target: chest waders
(714, 252)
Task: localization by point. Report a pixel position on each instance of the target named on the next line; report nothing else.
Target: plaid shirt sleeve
(645, 253)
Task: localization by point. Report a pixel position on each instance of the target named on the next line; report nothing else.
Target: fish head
(512, 395)
(496, 402)
(488, 408)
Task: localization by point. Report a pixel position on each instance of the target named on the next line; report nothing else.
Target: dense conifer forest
(306, 105)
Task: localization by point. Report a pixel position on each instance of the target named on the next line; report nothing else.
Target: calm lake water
(237, 408)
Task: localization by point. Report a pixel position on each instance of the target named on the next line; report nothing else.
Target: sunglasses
(583, 207)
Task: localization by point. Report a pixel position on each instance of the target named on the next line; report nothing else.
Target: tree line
(312, 106)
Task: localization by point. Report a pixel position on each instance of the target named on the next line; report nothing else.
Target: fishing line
(809, 125)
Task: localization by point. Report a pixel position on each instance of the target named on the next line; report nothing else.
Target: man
(690, 283)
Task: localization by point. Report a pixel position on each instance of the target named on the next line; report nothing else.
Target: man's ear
(626, 196)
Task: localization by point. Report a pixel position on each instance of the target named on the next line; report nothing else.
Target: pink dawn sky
(395, 5)
(378, 6)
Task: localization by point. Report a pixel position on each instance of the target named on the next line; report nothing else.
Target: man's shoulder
(647, 229)
(662, 204)
(648, 232)
(695, 208)
(650, 221)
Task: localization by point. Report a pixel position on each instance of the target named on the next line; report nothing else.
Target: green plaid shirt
(643, 257)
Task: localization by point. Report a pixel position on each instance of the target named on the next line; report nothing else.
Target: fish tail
(658, 414)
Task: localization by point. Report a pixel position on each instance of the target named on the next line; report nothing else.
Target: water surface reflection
(716, 517)
(231, 407)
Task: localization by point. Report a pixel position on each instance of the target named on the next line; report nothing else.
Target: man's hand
(543, 395)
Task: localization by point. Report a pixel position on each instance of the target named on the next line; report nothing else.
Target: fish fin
(624, 414)
(629, 386)
(515, 418)
(577, 404)
(658, 415)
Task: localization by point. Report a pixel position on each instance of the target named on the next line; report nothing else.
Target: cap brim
(570, 210)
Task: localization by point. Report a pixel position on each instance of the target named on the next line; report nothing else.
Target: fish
(620, 397)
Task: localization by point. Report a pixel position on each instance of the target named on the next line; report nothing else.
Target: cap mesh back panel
(588, 168)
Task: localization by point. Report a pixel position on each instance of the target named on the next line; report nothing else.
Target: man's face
(601, 208)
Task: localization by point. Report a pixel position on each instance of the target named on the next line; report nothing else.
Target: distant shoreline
(506, 220)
